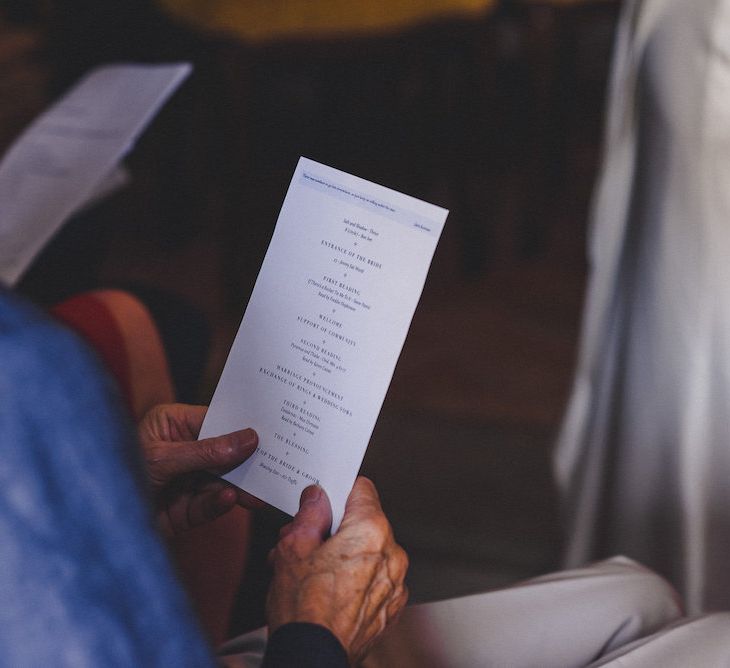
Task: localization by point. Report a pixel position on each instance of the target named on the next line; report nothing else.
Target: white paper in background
(118, 178)
(317, 347)
(70, 154)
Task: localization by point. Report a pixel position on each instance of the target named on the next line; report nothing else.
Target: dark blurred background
(492, 109)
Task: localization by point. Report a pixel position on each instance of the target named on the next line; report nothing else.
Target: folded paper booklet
(318, 344)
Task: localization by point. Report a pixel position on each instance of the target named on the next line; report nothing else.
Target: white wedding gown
(643, 459)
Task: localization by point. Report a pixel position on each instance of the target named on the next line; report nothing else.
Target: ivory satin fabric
(643, 459)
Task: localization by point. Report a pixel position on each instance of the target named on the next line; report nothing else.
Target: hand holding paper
(314, 580)
(315, 353)
(179, 467)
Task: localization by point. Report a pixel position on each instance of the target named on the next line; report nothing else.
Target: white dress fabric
(561, 620)
(643, 458)
(614, 614)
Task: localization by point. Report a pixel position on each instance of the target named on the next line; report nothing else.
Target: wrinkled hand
(182, 470)
(351, 583)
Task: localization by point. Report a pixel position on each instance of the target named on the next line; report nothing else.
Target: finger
(363, 495)
(224, 453)
(250, 501)
(379, 594)
(312, 523)
(362, 503)
(371, 626)
(397, 562)
(210, 505)
(384, 615)
(314, 509)
(172, 422)
(398, 603)
(386, 584)
(191, 509)
(367, 635)
(193, 417)
(167, 460)
(202, 481)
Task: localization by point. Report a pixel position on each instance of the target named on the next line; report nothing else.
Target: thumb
(168, 459)
(312, 523)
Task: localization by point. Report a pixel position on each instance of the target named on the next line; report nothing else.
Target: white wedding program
(318, 344)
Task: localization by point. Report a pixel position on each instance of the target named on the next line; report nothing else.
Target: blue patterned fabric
(84, 580)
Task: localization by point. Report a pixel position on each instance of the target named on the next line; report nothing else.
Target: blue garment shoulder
(85, 581)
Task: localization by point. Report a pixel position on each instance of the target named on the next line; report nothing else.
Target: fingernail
(247, 439)
(311, 494)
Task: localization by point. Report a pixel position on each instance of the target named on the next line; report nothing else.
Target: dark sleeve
(300, 645)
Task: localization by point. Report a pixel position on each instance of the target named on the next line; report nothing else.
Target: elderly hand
(351, 583)
(180, 469)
